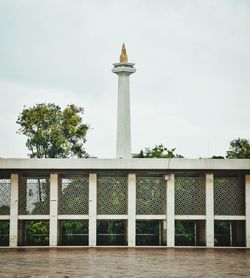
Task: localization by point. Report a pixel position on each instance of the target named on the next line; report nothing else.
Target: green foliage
(239, 148)
(37, 227)
(74, 232)
(71, 227)
(222, 227)
(110, 227)
(53, 132)
(159, 151)
(147, 232)
(184, 227)
(4, 227)
(4, 232)
(147, 227)
(217, 157)
(37, 232)
(222, 233)
(110, 232)
(4, 210)
(184, 232)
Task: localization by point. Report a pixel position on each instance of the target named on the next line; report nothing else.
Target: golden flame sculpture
(123, 56)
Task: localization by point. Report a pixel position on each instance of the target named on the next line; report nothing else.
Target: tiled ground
(123, 262)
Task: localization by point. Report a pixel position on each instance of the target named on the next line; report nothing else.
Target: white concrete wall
(14, 211)
(170, 210)
(92, 208)
(247, 211)
(209, 210)
(53, 223)
(131, 210)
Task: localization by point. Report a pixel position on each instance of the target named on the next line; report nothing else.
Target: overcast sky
(190, 91)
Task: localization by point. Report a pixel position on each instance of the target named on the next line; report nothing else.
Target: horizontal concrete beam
(124, 164)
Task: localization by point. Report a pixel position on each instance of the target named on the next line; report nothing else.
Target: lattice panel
(112, 195)
(150, 196)
(190, 196)
(4, 196)
(229, 196)
(74, 195)
(34, 195)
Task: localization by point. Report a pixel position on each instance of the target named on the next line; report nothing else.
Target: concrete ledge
(39, 248)
(124, 164)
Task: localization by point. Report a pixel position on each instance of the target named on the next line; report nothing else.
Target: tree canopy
(239, 148)
(53, 132)
(159, 151)
(217, 157)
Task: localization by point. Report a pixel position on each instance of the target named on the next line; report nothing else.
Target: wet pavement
(124, 262)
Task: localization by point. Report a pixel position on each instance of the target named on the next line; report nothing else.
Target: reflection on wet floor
(124, 262)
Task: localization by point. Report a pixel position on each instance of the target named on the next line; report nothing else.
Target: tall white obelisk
(123, 139)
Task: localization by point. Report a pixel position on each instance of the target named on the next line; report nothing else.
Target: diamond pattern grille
(190, 196)
(229, 196)
(112, 195)
(74, 195)
(150, 196)
(4, 196)
(34, 196)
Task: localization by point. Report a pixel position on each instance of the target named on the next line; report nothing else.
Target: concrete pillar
(247, 185)
(210, 210)
(131, 210)
(13, 239)
(92, 209)
(170, 210)
(53, 223)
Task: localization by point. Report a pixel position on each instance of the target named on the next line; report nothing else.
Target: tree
(4, 232)
(37, 232)
(53, 132)
(239, 148)
(159, 151)
(217, 157)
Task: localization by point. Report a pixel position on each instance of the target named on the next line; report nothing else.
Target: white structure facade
(201, 195)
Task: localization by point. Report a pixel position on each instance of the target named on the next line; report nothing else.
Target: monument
(123, 140)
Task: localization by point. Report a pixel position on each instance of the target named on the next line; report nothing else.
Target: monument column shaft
(123, 139)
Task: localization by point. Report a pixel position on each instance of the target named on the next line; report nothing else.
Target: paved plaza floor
(124, 262)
